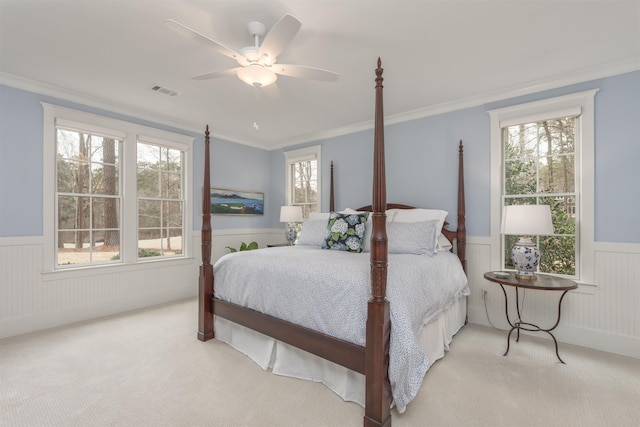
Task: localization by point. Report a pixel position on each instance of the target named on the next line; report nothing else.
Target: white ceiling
(437, 56)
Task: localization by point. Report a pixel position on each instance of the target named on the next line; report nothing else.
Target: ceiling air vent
(164, 90)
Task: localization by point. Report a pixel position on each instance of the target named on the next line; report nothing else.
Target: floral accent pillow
(345, 231)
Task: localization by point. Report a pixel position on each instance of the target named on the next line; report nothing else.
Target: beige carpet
(146, 368)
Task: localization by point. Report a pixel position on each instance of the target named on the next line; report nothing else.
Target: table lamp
(291, 215)
(526, 221)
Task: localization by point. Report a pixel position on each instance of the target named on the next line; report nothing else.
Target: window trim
(307, 153)
(131, 132)
(581, 104)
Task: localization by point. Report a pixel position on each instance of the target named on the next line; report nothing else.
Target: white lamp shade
(256, 75)
(533, 220)
(291, 214)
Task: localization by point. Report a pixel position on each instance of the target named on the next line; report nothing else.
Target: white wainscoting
(605, 316)
(31, 300)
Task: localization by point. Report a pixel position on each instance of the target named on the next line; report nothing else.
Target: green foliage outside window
(539, 168)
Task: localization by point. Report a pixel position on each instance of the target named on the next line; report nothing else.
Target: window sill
(586, 288)
(97, 270)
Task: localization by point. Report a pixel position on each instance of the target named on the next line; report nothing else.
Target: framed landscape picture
(235, 202)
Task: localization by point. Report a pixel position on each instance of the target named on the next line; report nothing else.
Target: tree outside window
(116, 192)
(305, 186)
(303, 179)
(87, 197)
(539, 168)
(160, 200)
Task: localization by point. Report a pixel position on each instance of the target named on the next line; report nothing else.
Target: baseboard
(590, 338)
(45, 320)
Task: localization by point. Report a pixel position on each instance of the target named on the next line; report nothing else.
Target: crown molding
(581, 76)
(585, 75)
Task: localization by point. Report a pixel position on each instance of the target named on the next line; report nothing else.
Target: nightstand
(542, 282)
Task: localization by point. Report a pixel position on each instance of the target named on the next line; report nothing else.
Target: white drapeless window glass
(303, 179)
(160, 200)
(539, 169)
(88, 196)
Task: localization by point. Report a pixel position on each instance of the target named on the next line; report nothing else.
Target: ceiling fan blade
(280, 36)
(216, 74)
(200, 38)
(304, 72)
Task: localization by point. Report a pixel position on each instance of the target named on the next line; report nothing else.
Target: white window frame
(581, 105)
(299, 155)
(131, 133)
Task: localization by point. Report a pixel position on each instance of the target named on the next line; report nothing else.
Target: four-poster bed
(371, 357)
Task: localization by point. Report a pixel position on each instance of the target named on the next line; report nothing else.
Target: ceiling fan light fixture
(256, 75)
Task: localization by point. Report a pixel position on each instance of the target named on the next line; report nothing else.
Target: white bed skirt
(284, 359)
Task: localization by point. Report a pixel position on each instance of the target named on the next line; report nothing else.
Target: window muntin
(88, 188)
(539, 168)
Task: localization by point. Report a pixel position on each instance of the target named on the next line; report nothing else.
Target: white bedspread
(328, 290)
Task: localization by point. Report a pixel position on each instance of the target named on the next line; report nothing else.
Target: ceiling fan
(258, 63)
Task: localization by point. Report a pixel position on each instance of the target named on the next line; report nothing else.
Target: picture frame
(236, 202)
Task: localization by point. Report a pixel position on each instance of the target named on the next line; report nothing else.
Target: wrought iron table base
(519, 324)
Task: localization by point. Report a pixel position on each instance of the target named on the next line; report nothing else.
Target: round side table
(542, 282)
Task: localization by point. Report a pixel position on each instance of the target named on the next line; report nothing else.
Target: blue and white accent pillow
(345, 232)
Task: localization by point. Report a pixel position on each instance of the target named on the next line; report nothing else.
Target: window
(117, 193)
(303, 179)
(542, 153)
(539, 160)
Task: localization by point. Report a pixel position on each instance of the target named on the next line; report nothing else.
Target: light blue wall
(421, 160)
(20, 163)
(617, 154)
(421, 163)
(233, 166)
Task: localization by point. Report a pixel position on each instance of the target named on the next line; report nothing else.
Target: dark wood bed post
(461, 228)
(378, 388)
(205, 316)
(332, 205)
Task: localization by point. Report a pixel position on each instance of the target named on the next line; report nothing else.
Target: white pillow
(412, 237)
(313, 231)
(319, 215)
(443, 244)
(418, 215)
